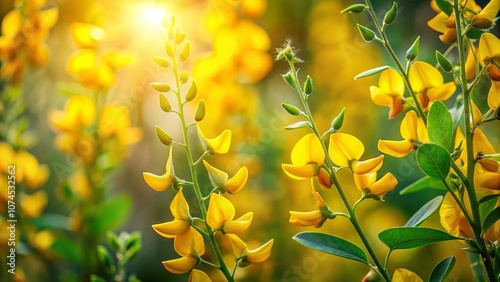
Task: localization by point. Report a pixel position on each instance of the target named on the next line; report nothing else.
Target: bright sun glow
(152, 16)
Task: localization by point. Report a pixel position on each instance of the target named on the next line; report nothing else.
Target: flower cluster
(189, 230)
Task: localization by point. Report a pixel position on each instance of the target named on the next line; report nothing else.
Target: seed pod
(191, 92)
(163, 136)
(164, 103)
(162, 87)
(200, 111)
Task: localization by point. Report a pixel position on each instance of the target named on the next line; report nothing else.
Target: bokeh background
(232, 47)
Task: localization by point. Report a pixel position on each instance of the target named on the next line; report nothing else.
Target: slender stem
(401, 68)
(194, 175)
(476, 224)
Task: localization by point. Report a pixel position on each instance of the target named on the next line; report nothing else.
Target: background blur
(244, 91)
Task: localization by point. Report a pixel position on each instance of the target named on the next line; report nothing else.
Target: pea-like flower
(345, 150)
(487, 174)
(257, 255)
(190, 246)
(489, 48)
(307, 158)
(198, 276)
(221, 213)
(389, 92)
(369, 183)
(161, 182)
(412, 129)
(221, 180)
(217, 145)
(314, 218)
(484, 19)
(182, 219)
(429, 84)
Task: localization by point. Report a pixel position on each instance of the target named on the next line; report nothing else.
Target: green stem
(476, 224)
(194, 175)
(401, 68)
(333, 177)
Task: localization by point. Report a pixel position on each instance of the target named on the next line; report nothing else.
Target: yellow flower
(376, 187)
(79, 112)
(487, 174)
(198, 276)
(489, 48)
(221, 213)
(218, 145)
(161, 182)
(86, 35)
(389, 92)
(314, 218)
(404, 275)
(8, 156)
(307, 157)
(345, 151)
(220, 179)
(115, 121)
(30, 171)
(182, 219)
(80, 184)
(412, 128)
(258, 255)
(34, 204)
(190, 246)
(429, 84)
(485, 18)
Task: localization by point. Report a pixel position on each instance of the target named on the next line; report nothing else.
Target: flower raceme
(221, 213)
(412, 129)
(429, 84)
(221, 180)
(161, 182)
(345, 151)
(257, 255)
(307, 158)
(389, 92)
(190, 246)
(182, 219)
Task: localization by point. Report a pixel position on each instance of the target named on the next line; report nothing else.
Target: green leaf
(486, 208)
(133, 239)
(390, 16)
(457, 114)
(51, 221)
(422, 184)
(442, 269)
(66, 250)
(398, 238)
(488, 198)
(371, 72)
(356, 8)
(424, 212)
(95, 278)
(367, 34)
(113, 241)
(106, 259)
(300, 124)
(491, 219)
(445, 6)
(112, 214)
(132, 252)
(434, 160)
(474, 33)
(440, 125)
(331, 245)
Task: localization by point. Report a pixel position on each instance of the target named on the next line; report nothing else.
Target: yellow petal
(179, 207)
(404, 275)
(33, 205)
(217, 145)
(86, 35)
(486, 178)
(380, 97)
(481, 143)
(180, 265)
(396, 149)
(220, 210)
(392, 82)
(300, 171)
(198, 276)
(364, 181)
(8, 156)
(117, 60)
(441, 92)
(370, 165)
(437, 23)
(343, 148)
(12, 23)
(218, 178)
(476, 113)
(424, 76)
(324, 179)
(408, 127)
(488, 13)
(494, 95)
(189, 243)
(31, 172)
(238, 181)
(453, 220)
(470, 64)
(384, 184)
(239, 247)
(308, 150)
(79, 112)
(239, 225)
(157, 182)
(82, 61)
(311, 218)
(260, 254)
(172, 228)
(489, 48)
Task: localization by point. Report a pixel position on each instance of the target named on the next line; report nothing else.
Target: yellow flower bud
(162, 87)
(185, 51)
(163, 136)
(191, 92)
(162, 62)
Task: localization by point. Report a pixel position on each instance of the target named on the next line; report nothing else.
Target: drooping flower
(375, 187)
(221, 180)
(182, 219)
(389, 92)
(484, 19)
(257, 255)
(345, 150)
(190, 246)
(162, 182)
(221, 213)
(412, 129)
(218, 145)
(198, 276)
(314, 218)
(429, 84)
(307, 158)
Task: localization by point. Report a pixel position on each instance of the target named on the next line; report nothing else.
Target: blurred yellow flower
(345, 151)
(79, 184)
(429, 84)
(182, 219)
(161, 182)
(86, 35)
(376, 187)
(307, 158)
(257, 255)
(404, 275)
(217, 145)
(389, 92)
(30, 171)
(34, 204)
(221, 213)
(412, 129)
(198, 276)
(79, 113)
(115, 121)
(190, 246)
(220, 179)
